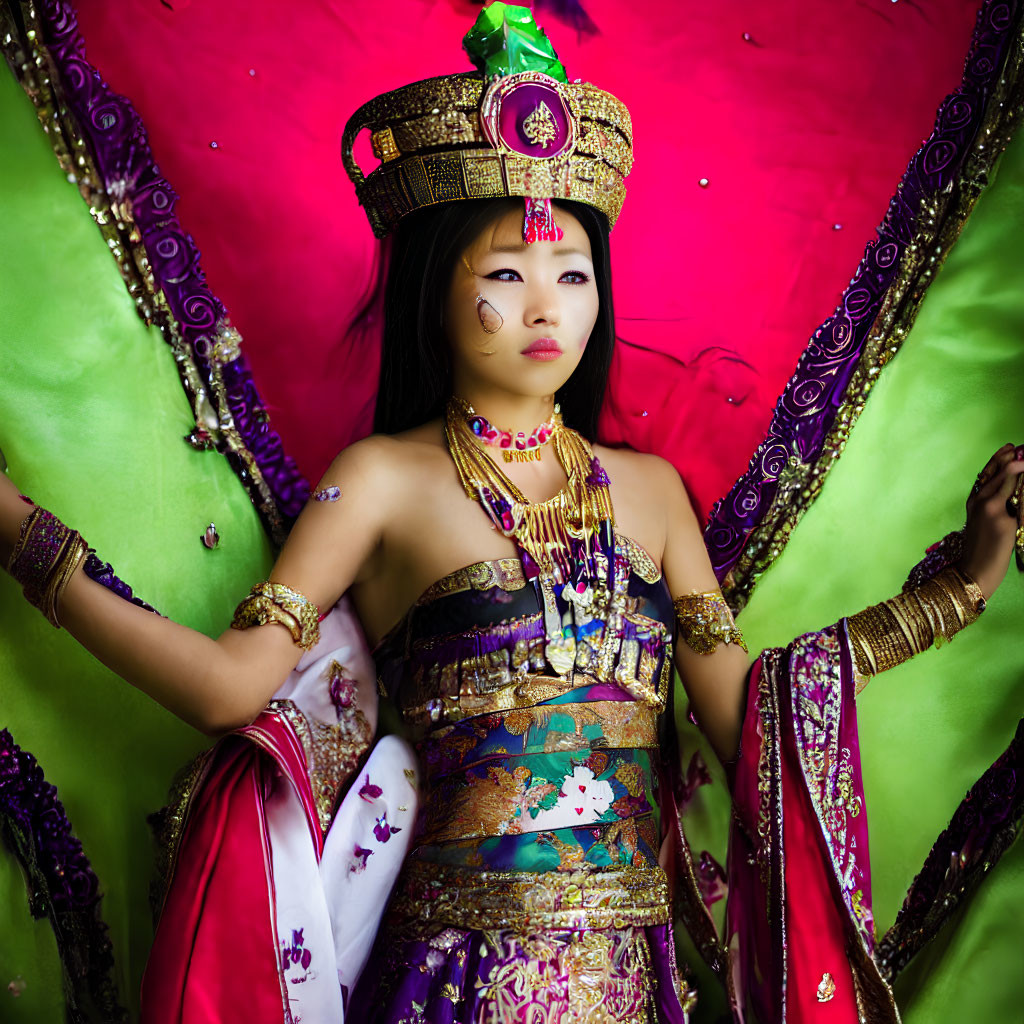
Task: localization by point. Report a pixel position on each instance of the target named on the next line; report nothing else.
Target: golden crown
(487, 135)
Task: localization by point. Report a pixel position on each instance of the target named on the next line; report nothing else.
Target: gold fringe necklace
(545, 530)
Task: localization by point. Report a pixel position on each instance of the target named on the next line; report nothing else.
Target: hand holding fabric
(991, 526)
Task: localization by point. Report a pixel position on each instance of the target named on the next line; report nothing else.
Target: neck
(514, 413)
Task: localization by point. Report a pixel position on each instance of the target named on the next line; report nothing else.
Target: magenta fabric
(768, 141)
(219, 909)
(798, 848)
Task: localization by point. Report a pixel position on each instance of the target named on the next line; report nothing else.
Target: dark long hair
(415, 368)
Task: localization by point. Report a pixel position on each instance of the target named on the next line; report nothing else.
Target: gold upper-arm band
(705, 621)
(274, 602)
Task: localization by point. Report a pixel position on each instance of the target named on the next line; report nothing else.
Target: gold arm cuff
(274, 602)
(705, 621)
(70, 558)
(887, 634)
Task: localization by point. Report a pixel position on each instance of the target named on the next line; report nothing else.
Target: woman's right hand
(991, 528)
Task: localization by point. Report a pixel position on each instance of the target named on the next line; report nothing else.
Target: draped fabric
(800, 922)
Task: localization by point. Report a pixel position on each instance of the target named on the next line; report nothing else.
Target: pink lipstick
(544, 349)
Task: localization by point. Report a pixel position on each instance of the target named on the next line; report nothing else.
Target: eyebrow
(522, 248)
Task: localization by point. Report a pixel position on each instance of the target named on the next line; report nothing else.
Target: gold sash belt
(434, 896)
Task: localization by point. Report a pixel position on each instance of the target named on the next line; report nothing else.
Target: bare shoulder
(649, 474)
(384, 463)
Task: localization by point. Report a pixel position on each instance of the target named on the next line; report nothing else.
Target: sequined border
(333, 751)
(439, 896)
(101, 144)
(503, 573)
(749, 527)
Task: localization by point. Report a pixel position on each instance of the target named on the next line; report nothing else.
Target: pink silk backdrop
(799, 115)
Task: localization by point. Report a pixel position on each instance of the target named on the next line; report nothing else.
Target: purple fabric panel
(61, 883)
(446, 982)
(807, 407)
(822, 703)
(981, 829)
(117, 139)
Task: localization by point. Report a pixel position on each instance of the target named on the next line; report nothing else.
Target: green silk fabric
(92, 417)
(92, 421)
(931, 727)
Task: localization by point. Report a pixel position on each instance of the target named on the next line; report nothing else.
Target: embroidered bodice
(526, 769)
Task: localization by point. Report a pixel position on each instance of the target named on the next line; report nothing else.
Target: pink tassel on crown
(539, 222)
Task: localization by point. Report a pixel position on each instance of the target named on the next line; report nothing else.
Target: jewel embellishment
(517, 447)
(539, 127)
(326, 494)
(826, 988)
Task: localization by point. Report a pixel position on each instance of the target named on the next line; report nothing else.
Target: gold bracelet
(274, 602)
(887, 634)
(70, 558)
(705, 621)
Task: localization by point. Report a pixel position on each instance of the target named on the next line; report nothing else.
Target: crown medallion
(527, 114)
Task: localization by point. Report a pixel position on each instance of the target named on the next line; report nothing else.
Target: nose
(541, 306)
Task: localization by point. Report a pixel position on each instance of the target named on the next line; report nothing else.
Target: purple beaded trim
(35, 560)
(119, 145)
(816, 392)
(982, 828)
(103, 573)
(61, 882)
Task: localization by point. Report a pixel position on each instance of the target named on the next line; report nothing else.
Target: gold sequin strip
(892, 632)
(502, 573)
(438, 896)
(22, 40)
(705, 621)
(274, 602)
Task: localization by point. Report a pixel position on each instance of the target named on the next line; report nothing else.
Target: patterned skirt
(573, 957)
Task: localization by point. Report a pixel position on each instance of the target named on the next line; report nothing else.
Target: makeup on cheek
(490, 319)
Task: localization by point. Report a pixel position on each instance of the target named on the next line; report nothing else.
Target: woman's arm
(716, 682)
(217, 685)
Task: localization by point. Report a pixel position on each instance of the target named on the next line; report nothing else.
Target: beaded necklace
(517, 447)
(566, 542)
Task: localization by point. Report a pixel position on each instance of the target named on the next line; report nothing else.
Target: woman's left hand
(991, 525)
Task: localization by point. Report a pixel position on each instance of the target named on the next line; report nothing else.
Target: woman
(566, 603)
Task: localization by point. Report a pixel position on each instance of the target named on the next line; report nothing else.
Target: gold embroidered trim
(439, 896)
(23, 43)
(333, 751)
(503, 573)
(705, 621)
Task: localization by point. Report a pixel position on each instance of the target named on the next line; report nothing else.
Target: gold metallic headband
(465, 136)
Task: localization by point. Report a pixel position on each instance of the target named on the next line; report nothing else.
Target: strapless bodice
(525, 768)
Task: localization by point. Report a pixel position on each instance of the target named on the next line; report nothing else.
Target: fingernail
(1018, 452)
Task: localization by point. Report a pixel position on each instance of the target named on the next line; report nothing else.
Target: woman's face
(519, 316)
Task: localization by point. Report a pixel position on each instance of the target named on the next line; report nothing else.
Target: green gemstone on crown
(505, 40)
